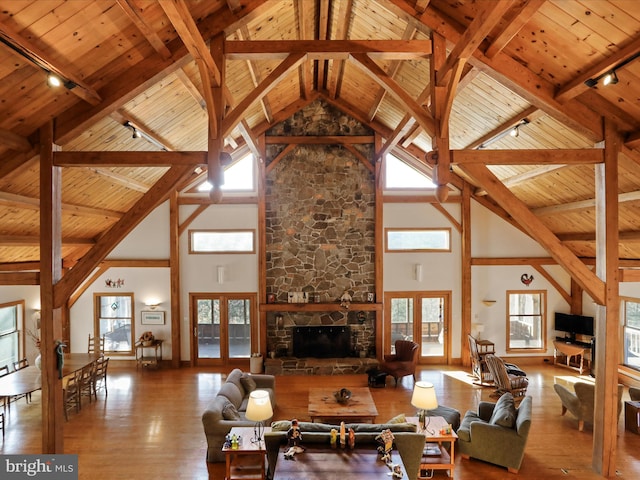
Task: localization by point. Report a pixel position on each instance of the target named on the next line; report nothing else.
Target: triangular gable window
(238, 177)
(400, 175)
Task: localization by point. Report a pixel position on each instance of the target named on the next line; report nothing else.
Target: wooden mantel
(319, 307)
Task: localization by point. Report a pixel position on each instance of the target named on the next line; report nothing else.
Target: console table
(567, 351)
(152, 358)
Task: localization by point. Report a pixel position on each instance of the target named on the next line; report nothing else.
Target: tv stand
(573, 355)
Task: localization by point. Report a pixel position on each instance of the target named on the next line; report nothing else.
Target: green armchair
(497, 433)
(581, 403)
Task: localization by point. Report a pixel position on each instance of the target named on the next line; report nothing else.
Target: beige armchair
(581, 403)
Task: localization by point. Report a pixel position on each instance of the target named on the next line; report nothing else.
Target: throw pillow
(229, 412)
(504, 413)
(398, 419)
(281, 425)
(248, 383)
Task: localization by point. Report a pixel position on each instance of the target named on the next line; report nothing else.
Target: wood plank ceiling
(142, 63)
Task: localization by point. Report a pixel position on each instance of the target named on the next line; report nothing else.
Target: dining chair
(96, 344)
(100, 376)
(86, 381)
(4, 370)
(71, 394)
(19, 365)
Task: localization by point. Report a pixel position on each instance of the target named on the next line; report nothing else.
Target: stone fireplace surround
(320, 225)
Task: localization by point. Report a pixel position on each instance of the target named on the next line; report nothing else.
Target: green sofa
(497, 433)
(408, 443)
(227, 409)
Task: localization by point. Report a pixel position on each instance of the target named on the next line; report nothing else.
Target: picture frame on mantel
(152, 318)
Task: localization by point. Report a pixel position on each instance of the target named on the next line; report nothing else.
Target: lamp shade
(259, 406)
(424, 396)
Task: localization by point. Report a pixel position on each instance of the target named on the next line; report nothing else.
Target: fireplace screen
(321, 342)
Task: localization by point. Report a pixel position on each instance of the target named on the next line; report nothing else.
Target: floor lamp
(259, 409)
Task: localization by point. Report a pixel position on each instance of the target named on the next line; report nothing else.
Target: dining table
(29, 379)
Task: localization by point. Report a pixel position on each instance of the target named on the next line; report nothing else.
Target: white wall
(491, 237)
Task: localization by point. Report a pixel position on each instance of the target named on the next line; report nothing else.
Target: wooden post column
(50, 274)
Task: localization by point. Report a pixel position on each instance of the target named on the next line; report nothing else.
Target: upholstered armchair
(497, 433)
(403, 362)
(581, 403)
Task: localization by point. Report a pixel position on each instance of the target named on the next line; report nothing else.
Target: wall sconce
(489, 303)
(417, 272)
(152, 303)
(220, 271)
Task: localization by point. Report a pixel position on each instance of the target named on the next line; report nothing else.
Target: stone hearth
(318, 366)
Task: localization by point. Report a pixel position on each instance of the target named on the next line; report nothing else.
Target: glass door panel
(432, 331)
(401, 321)
(208, 328)
(239, 320)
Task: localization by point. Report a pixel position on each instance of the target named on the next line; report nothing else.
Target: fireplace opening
(321, 342)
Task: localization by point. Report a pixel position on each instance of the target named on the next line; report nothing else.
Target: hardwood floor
(149, 426)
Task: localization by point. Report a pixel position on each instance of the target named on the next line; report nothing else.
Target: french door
(423, 317)
(224, 328)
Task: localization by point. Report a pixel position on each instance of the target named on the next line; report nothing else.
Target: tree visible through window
(526, 320)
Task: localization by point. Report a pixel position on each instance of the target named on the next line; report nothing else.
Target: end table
(435, 456)
(240, 465)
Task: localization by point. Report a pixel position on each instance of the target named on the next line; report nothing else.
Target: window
(238, 177)
(9, 333)
(400, 175)
(114, 320)
(418, 240)
(526, 320)
(631, 319)
(222, 241)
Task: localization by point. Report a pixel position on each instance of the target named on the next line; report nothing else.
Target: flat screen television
(574, 324)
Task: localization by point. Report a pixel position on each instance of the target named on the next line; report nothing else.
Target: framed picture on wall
(152, 318)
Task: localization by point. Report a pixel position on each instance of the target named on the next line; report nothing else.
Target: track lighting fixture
(610, 77)
(512, 130)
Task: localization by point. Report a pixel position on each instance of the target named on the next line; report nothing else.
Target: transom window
(526, 320)
(418, 239)
(222, 241)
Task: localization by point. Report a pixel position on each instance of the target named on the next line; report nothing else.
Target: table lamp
(259, 409)
(424, 398)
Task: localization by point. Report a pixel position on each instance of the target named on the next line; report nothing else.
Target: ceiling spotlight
(53, 80)
(515, 132)
(136, 133)
(610, 78)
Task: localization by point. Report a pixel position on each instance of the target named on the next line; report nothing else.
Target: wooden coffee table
(323, 405)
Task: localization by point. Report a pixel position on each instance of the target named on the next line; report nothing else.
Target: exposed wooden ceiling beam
(129, 159)
(191, 88)
(250, 138)
(128, 121)
(584, 204)
(585, 277)
(327, 49)
(530, 114)
(510, 29)
(480, 27)
(256, 77)
(577, 156)
(335, 70)
(306, 32)
(31, 203)
(577, 86)
(514, 180)
(136, 14)
(19, 45)
(367, 65)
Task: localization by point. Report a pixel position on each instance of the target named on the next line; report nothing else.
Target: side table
(485, 347)
(435, 456)
(148, 359)
(247, 462)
